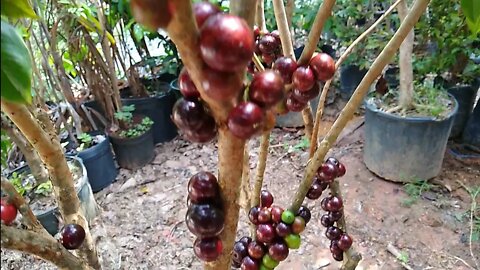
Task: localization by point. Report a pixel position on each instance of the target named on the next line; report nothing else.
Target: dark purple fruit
(253, 215)
(186, 85)
(327, 221)
(283, 229)
(245, 240)
(226, 43)
(205, 133)
(333, 161)
(329, 171)
(240, 251)
(306, 96)
(315, 191)
(203, 188)
(268, 44)
(293, 104)
(245, 120)
(285, 66)
(323, 66)
(266, 198)
(335, 216)
(203, 10)
(265, 215)
(208, 249)
(303, 78)
(222, 86)
(305, 213)
(189, 114)
(268, 58)
(153, 14)
(276, 35)
(256, 250)
(345, 242)
(324, 203)
(341, 170)
(334, 249)
(249, 263)
(265, 233)
(276, 214)
(266, 88)
(338, 257)
(333, 233)
(204, 220)
(278, 251)
(334, 204)
(72, 236)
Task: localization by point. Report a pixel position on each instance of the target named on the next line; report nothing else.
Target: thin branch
(405, 63)
(244, 9)
(343, 57)
(42, 245)
(314, 36)
(289, 8)
(375, 70)
(260, 16)
(262, 163)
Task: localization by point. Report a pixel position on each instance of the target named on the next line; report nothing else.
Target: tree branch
(45, 142)
(314, 36)
(262, 163)
(42, 245)
(375, 70)
(260, 16)
(405, 63)
(343, 57)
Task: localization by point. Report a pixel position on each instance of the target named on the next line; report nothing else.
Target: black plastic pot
(391, 75)
(48, 218)
(405, 149)
(350, 78)
(133, 153)
(471, 133)
(100, 165)
(465, 96)
(158, 108)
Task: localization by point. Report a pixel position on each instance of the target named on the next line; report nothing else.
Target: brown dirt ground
(142, 224)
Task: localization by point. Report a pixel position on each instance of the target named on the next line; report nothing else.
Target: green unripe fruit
(288, 217)
(293, 241)
(269, 262)
(263, 267)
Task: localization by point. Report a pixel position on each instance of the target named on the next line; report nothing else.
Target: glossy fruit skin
(268, 58)
(334, 204)
(324, 203)
(269, 261)
(298, 225)
(315, 191)
(278, 251)
(288, 217)
(306, 96)
(341, 170)
(236, 264)
(303, 78)
(249, 263)
(326, 221)
(240, 251)
(222, 86)
(338, 257)
(8, 212)
(205, 133)
(276, 35)
(204, 220)
(276, 213)
(268, 44)
(245, 120)
(293, 241)
(203, 188)
(335, 215)
(334, 249)
(265, 215)
(153, 14)
(333, 233)
(266, 88)
(226, 43)
(189, 114)
(186, 85)
(333, 161)
(293, 104)
(253, 215)
(203, 10)
(246, 240)
(304, 213)
(256, 250)
(208, 249)
(345, 242)
(283, 229)
(285, 66)
(72, 236)
(329, 171)
(265, 233)
(323, 66)
(266, 198)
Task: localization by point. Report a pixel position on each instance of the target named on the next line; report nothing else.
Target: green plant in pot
(407, 129)
(132, 141)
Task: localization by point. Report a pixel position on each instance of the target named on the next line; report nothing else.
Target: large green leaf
(16, 66)
(471, 9)
(17, 9)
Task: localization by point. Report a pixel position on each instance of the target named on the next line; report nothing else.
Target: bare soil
(142, 224)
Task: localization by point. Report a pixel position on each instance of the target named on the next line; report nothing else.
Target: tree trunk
(405, 63)
(44, 140)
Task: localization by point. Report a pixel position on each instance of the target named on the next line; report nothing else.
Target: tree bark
(260, 16)
(44, 140)
(405, 63)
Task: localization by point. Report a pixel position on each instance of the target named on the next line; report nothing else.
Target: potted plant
(406, 131)
(41, 199)
(132, 141)
(97, 156)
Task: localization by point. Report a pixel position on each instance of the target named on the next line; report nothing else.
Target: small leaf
(16, 66)
(17, 9)
(471, 9)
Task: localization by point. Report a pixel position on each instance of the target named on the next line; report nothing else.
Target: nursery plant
(216, 49)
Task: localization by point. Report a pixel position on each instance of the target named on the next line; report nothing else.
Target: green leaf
(471, 9)
(17, 9)
(16, 66)
(138, 32)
